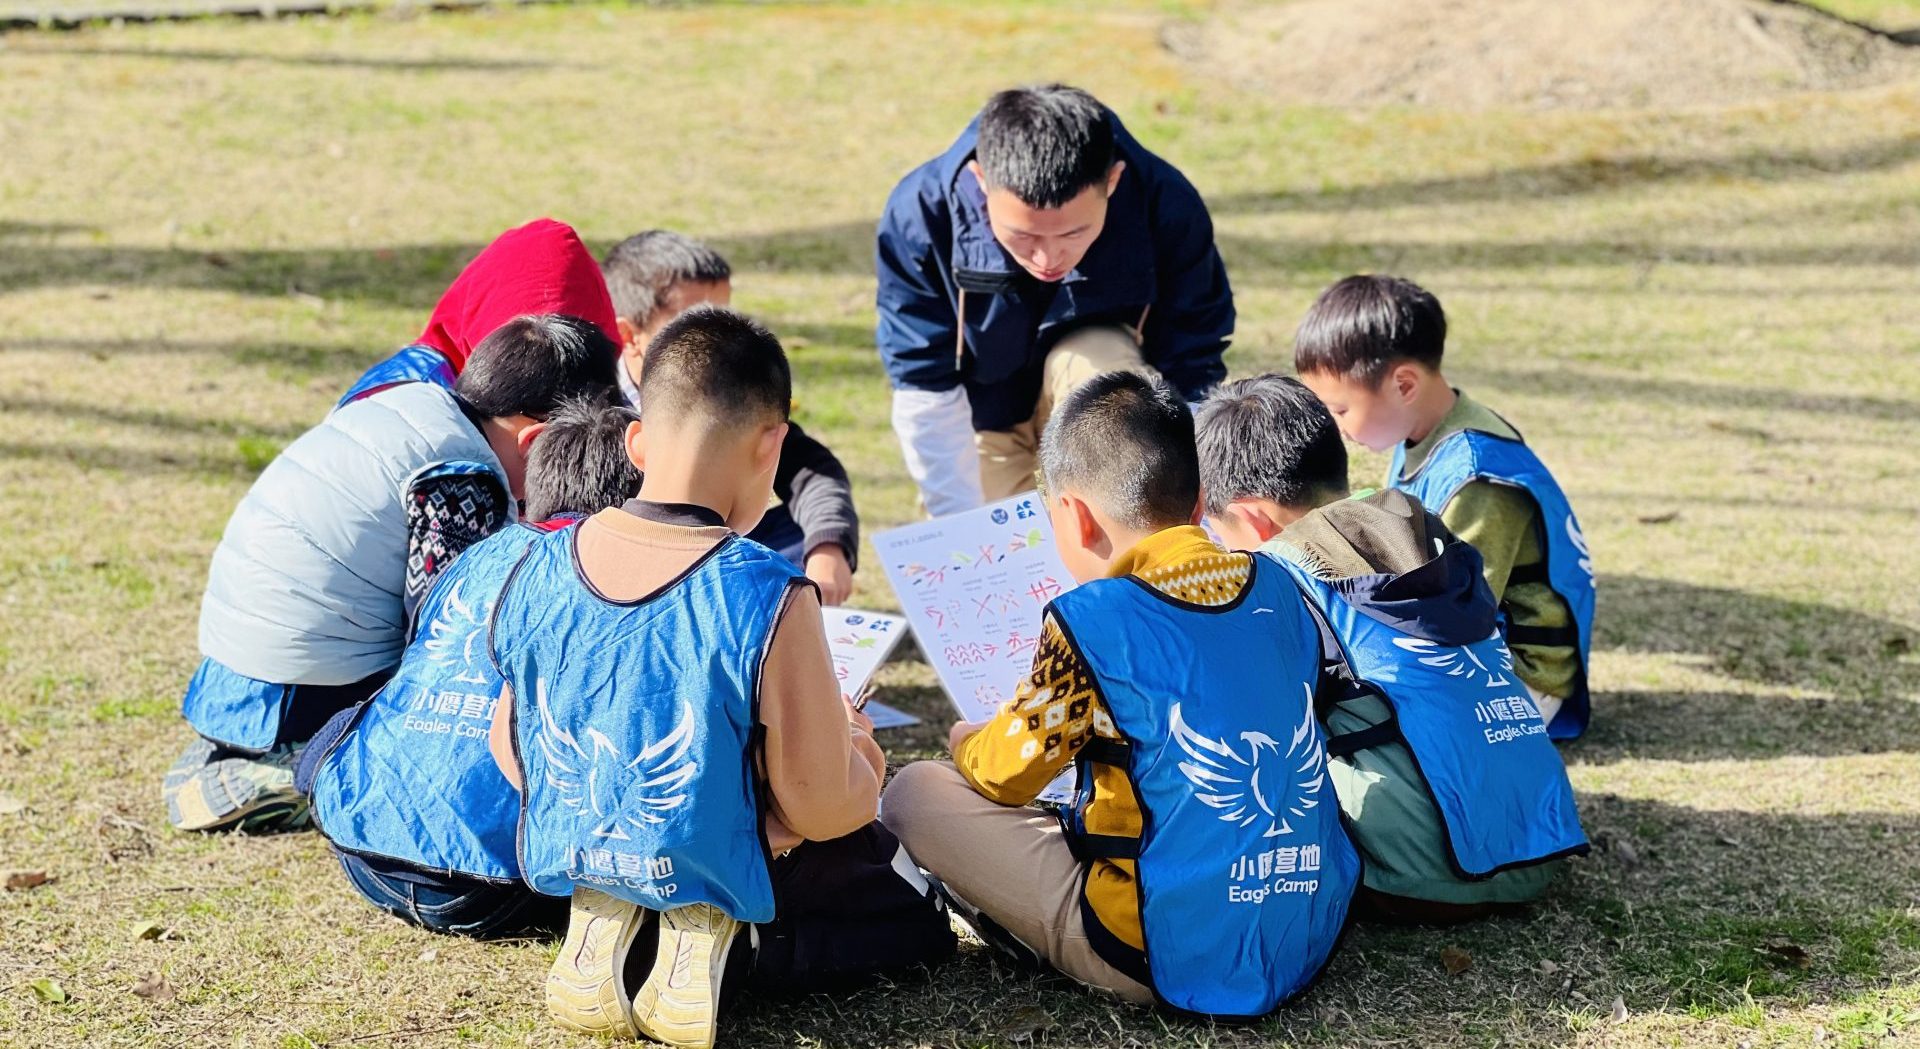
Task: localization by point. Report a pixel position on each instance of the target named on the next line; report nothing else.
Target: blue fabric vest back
(412, 779)
(415, 363)
(1471, 455)
(1245, 869)
(634, 727)
(1476, 736)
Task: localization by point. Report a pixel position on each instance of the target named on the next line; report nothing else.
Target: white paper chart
(973, 585)
(859, 642)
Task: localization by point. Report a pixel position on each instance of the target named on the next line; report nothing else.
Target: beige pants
(1012, 864)
(1009, 457)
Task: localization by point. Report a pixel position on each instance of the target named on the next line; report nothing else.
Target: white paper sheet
(974, 585)
(859, 641)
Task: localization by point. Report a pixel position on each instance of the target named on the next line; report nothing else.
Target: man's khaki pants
(1008, 457)
(1012, 864)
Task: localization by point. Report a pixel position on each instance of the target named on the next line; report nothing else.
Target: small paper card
(859, 641)
(974, 586)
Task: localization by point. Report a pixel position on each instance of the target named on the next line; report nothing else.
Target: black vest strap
(1106, 847)
(1364, 739)
(1105, 750)
(1523, 575)
(1546, 636)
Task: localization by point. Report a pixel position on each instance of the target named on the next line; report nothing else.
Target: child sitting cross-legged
(1440, 758)
(692, 778)
(1370, 348)
(404, 786)
(1204, 864)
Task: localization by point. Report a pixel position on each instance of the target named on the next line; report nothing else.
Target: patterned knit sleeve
(1039, 731)
(447, 512)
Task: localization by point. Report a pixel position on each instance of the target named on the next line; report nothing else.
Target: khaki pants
(1012, 864)
(1008, 457)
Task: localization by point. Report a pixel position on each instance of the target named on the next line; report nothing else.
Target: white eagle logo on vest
(455, 636)
(1459, 662)
(1269, 783)
(593, 782)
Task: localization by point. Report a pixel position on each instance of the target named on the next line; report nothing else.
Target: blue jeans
(455, 905)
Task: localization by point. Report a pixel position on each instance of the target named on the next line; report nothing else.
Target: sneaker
(213, 789)
(679, 1002)
(585, 988)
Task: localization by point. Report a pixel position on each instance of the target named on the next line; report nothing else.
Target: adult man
(1044, 247)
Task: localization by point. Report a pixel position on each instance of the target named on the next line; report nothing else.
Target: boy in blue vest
(1203, 864)
(653, 277)
(1370, 348)
(404, 786)
(690, 771)
(322, 564)
(1441, 762)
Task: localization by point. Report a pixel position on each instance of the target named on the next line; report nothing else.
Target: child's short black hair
(643, 268)
(1269, 437)
(579, 463)
(720, 364)
(530, 364)
(1364, 325)
(1044, 145)
(1126, 442)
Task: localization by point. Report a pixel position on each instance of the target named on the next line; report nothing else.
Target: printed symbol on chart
(1018, 643)
(597, 784)
(1023, 510)
(1459, 662)
(999, 516)
(856, 620)
(1268, 784)
(969, 654)
(1044, 590)
(456, 637)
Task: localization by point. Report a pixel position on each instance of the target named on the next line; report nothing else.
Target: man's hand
(827, 566)
(960, 731)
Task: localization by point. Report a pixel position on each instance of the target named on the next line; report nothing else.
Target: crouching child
(404, 786)
(1203, 864)
(1441, 758)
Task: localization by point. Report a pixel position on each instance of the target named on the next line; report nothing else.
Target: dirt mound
(1546, 53)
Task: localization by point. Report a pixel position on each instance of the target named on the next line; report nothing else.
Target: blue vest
(1245, 870)
(416, 363)
(1471, 455)
(1474, 733)
(635, 723)
(412, 778)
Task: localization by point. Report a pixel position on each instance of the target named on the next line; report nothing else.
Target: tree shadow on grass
(352, 62)
(1710, 726)
(1588, 387)
(1691, 911)
(1768, 640)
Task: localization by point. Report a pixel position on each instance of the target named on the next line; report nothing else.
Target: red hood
(540, 267)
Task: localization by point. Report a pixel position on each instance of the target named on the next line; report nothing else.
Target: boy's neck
(1431, 404)
(698, 473)
(503, 437)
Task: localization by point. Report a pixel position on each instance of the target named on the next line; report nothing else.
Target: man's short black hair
(719, 364)
(579, 463)
(1125, 442)
(530, 364)
(1362, 326)
(1045, 145)
(643, 268)
(1269, 437)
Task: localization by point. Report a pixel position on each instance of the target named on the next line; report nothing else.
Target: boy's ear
(1405, 378)
(1113, 175)
(978, 175)
(637, 444)
(767, 455)
(1255, 518)
(1087, 530)
(629, 336)
(526, 435)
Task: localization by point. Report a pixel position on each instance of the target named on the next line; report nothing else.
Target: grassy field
(1705, 321)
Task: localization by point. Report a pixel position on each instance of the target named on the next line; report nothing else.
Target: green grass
(207, 229)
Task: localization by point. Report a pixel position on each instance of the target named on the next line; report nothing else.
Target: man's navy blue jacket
(1157, 250)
